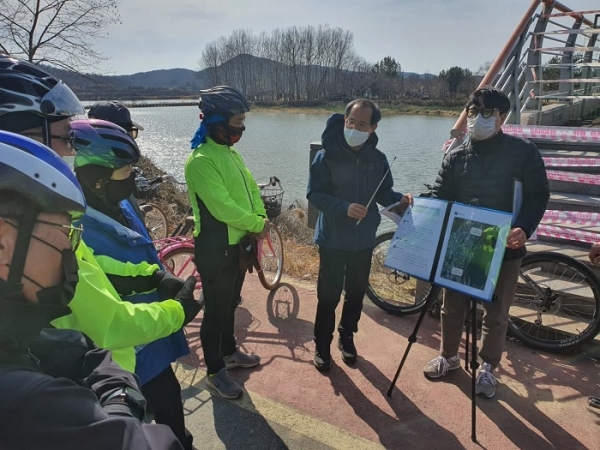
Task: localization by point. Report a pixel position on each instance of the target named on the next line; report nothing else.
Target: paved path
(287, 403)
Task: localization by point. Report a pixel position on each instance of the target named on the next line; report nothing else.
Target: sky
(424, 36)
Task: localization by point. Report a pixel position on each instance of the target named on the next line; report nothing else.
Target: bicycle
(177, 251)
(155, 218)
(556, 305)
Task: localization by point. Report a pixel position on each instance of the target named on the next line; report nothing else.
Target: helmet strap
(46, 133)
(24, 232)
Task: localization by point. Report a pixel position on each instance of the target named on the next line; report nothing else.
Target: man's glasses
(67, 140)
(133, 133)
(74, 233)
(486, 113)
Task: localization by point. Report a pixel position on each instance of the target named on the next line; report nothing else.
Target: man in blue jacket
(343, 178)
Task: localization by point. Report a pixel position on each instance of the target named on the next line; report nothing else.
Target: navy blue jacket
(133, 244)
(340, 176)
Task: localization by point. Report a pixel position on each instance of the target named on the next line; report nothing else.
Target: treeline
(315, 63)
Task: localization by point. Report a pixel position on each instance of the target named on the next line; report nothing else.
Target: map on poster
(456, 246)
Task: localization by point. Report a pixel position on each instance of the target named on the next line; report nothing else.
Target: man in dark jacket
(344, 176)
(484, 172)
(58, 391)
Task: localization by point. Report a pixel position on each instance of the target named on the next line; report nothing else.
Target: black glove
(167, 284)
(191, 307)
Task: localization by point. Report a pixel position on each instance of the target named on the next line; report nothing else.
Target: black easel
(473, 365)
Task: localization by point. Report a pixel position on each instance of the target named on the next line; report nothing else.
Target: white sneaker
(439, 367)
(486, 382)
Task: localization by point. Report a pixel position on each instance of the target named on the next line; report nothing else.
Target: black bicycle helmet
(223, 100)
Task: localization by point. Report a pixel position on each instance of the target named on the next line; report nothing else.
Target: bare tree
(57, 32)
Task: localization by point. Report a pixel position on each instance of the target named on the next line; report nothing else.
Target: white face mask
(70, 160)
(480, 128)
(354, 138)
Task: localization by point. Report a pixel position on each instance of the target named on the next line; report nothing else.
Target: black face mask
(21, 321)
(62, 294)
(225, 134)
(117, 190)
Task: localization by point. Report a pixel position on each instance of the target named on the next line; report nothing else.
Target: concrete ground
(287, 403)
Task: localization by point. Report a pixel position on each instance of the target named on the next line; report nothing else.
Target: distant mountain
(168, 78)
(168, 82)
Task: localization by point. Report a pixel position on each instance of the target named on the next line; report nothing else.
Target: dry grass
(301, 254)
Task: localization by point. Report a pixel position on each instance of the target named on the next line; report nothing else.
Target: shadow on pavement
(402, 429)
(234, 424)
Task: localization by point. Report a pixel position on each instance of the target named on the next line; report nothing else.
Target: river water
(277, 143)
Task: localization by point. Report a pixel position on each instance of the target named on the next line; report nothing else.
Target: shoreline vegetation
(416, 107)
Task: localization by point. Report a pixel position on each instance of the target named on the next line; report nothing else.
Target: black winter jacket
(483, 173)
(49, 411)
(340, 176)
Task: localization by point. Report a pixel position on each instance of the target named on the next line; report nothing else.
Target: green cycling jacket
(218, 176)
(113, 324)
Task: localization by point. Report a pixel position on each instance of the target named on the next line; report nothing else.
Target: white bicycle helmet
(31, 97)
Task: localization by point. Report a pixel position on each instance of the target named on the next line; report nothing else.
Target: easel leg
(411, 340)
(474, 366)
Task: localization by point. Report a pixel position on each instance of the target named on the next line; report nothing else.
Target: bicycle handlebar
(173, 179)
(273, 181)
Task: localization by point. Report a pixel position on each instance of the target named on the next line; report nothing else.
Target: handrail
(517, 37)
(498, 64)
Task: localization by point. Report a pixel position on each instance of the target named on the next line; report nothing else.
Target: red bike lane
(540, 403)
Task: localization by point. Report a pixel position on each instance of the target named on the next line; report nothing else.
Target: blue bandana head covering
(202, 131)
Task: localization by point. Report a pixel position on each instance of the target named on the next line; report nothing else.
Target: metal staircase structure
(550, 69)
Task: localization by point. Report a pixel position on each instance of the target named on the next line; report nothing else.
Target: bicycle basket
(144, 189)
(272, 198)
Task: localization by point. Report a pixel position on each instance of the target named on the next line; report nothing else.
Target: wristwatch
(133, 401)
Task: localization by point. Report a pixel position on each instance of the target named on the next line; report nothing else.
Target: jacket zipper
(357, 200)
(243, 179)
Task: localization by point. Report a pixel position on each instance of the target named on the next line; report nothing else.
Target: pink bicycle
(177, 252)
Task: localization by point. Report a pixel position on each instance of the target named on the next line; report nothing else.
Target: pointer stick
(378, 186)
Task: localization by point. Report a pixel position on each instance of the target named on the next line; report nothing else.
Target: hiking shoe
(594, 402)
(322, 360)
(241, 359)
(439, 367)
(485, 384)
(225, 386)
(346, 346)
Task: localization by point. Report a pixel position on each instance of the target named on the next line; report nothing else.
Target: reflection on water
(277, 143)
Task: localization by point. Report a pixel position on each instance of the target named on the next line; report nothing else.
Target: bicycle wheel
(180, 262)
(156, 222)
(556, 306)
(270, 257)
(393, 291)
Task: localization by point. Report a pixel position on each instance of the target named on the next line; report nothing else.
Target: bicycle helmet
(223, 100)
(31, 97)
(102, 143)
(39, 174)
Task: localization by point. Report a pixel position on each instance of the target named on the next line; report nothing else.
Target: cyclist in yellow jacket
(227, 206)
(36, 104)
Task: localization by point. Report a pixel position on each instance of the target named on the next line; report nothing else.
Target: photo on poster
(473, 250)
